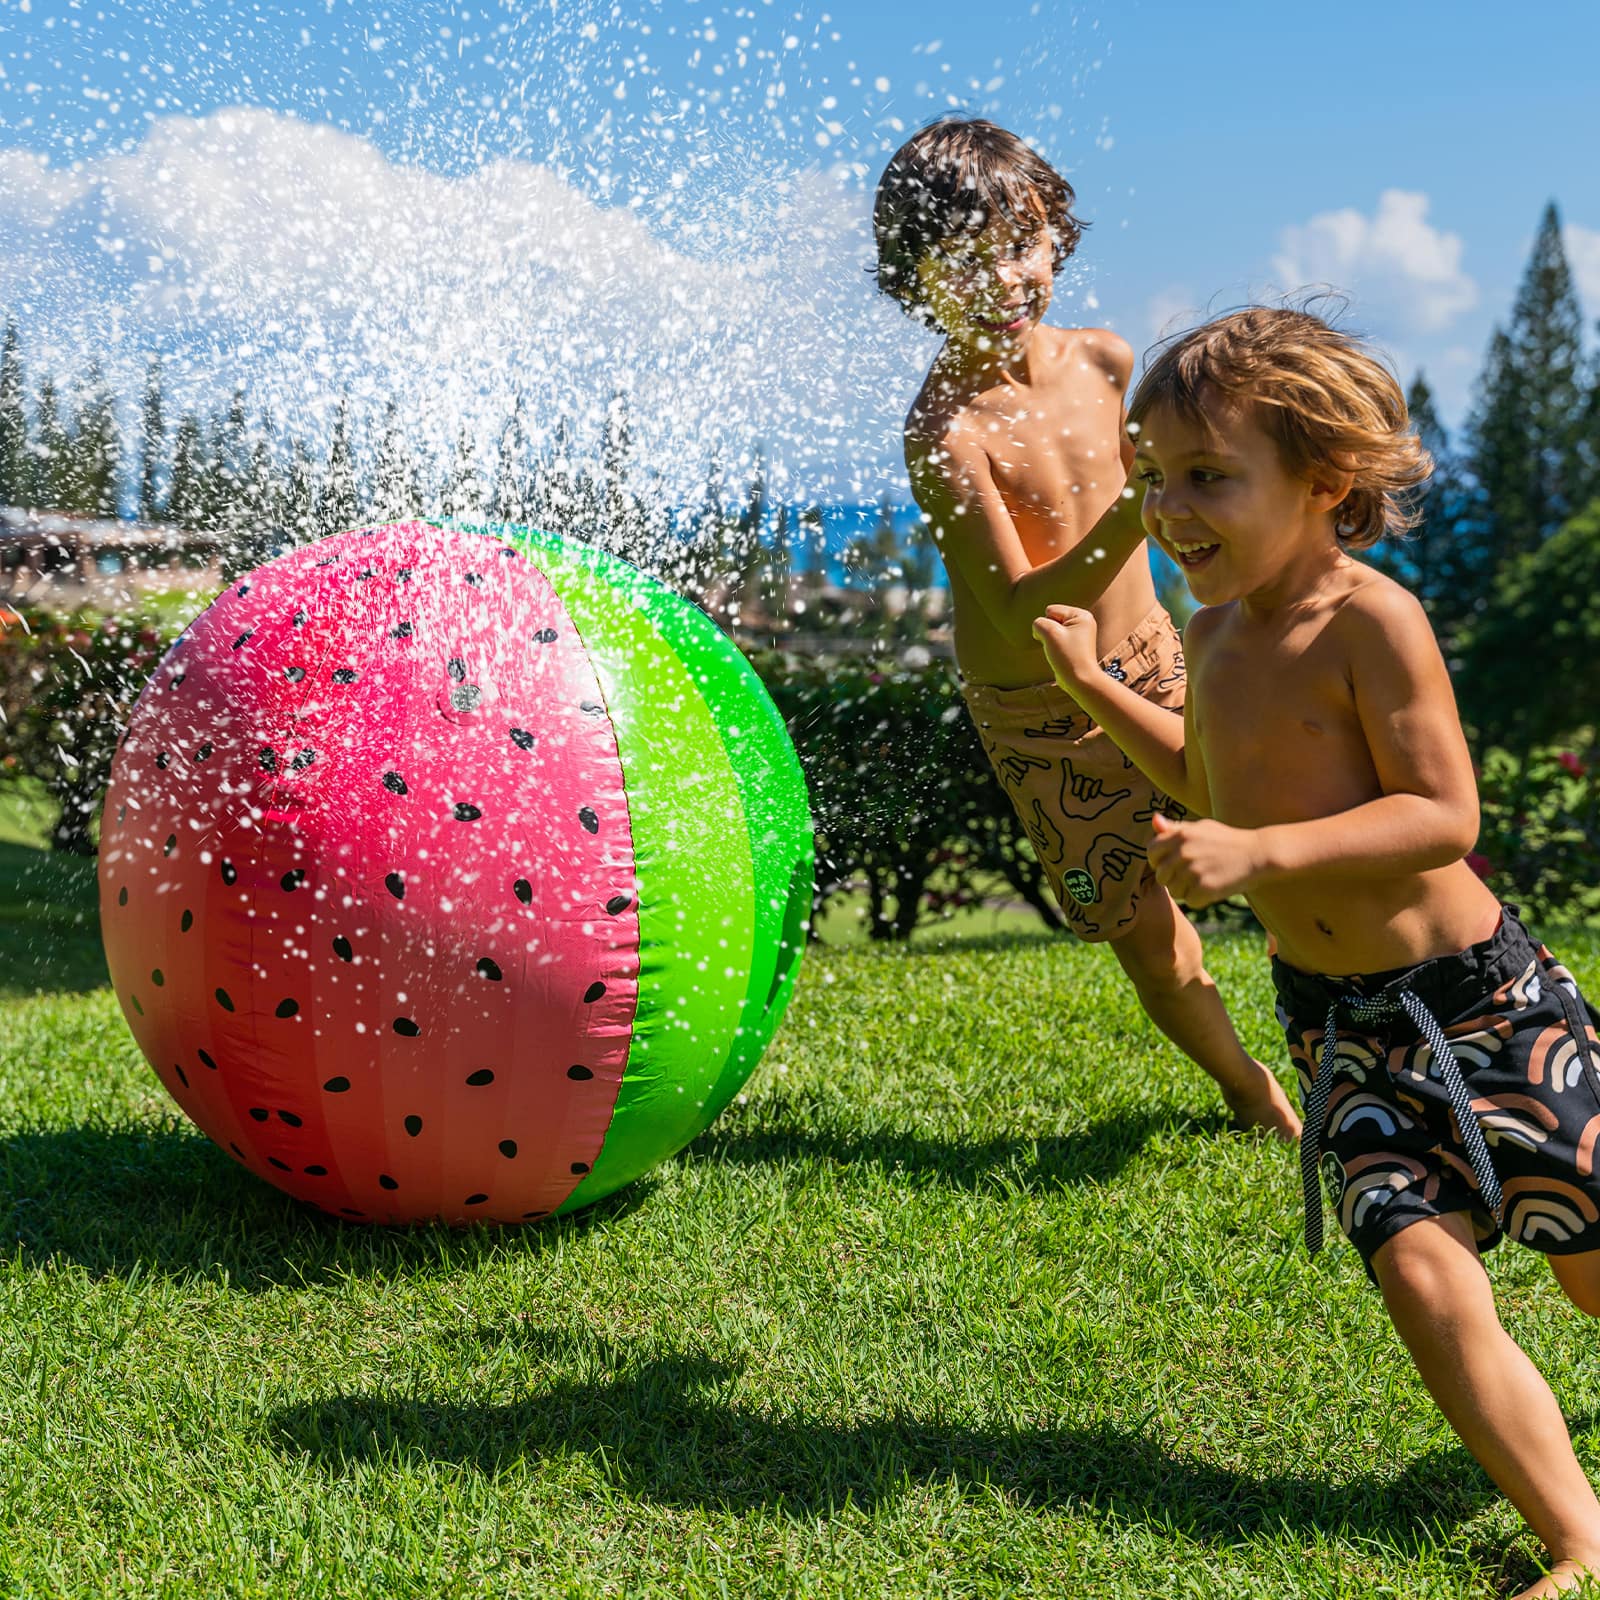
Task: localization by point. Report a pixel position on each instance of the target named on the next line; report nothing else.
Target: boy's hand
(1202, 862)
(1071, 644)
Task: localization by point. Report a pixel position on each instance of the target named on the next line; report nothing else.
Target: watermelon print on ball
(453, 874)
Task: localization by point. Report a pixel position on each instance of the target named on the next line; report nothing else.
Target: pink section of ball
(368, 880)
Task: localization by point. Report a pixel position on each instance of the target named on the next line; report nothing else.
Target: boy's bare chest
(1057, 467)
(1278, 728)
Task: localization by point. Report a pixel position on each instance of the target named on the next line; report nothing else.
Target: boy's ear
(1330, 489)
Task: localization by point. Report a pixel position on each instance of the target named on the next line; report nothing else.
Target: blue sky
(716, 159)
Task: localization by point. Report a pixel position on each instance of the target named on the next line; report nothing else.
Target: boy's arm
(1157, 741)
(1427, 815)
(974, 531)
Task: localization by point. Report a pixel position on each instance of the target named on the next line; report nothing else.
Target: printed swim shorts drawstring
(1366, 1009)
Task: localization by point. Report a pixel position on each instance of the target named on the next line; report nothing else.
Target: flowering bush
(902, 793)
(67, 685)
(1540, 842)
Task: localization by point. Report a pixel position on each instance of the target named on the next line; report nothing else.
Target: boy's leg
(1579, 1277)
(1440, 1302)
(1162, 955)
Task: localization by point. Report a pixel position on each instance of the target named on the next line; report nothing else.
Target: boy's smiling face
(1220, 501)
(989, 289)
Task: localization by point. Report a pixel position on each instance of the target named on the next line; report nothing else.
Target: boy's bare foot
(1264, 1105)
(1566, 1577)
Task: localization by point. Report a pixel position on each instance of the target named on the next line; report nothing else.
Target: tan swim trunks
(1085, 806)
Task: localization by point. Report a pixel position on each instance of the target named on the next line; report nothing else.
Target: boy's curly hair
(954, 177)
(1324, 398)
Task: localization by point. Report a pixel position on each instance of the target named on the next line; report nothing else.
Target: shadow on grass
(1095, 1155)
(662, 1431)
(162, 1198)
(49, 923)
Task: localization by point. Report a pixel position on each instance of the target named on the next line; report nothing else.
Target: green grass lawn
(973, 1293)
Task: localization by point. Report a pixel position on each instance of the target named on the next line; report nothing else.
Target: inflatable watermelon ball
(453, 875)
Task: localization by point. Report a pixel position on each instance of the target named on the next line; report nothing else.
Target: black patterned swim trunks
(1470, 1082)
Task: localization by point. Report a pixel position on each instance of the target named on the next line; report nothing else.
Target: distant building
(55, 556)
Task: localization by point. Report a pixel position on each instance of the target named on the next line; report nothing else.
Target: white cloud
(1405, 273)
(1169, 311)
(1583, 254)
(255, 248)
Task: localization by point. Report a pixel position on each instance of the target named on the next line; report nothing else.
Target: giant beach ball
(452, 874)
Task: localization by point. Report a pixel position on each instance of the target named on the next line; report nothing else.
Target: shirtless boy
(1450, 1065)
(1018, 455)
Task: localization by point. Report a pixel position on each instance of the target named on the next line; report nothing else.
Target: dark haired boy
(1018, 454)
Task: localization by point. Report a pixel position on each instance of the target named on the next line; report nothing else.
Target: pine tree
(1524, 429)
(510, 493)
(152, 444)
(96, 450)
(258, 514)
(339, 505)
(395, 492)
(297, 509)
(14, 464)
(461, 498)
(186, 492)
(52, 453)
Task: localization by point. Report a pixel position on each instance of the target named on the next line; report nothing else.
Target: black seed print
(342, 949)
(466, 697)
(579, 1074)
(157, 978)
(282, 1166)
(527, 1214)
(593, 992)
(473, 578)
(122, 813)
(268, 760)
(170, 845)
(242, 637)
(122, 897)
(259, 1113)
(294, 674)
(244, 588)
(186, 922)
(618, 903)
(406, 1028)
(508, 1148)
(478, 1079)
(176, 679)
(161, 761)
(402, 575)
(203, 753)
(303, 759)
(287, 1008)
(465, 813)
(591, 823)
(337, 1085)
(457, 669)
(230, 873)
(386, 1182)
(396, 885)
(133, 1000)
(593, 708)
(506, 550)
(413, 1126)
(205, 1060)
(522, 739)
(345, 675)
(299, 619)
(579, 1168)
(224, 1000)
(545, 636)
(394, 783)
(182, 1076)
(330, 561)
(364, 574)
(316, 1172)
(488, 969)
(522, 889)
(475, 1199)
(236, 1150)
(401, 630)
(289, 1119)
(292, 879)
